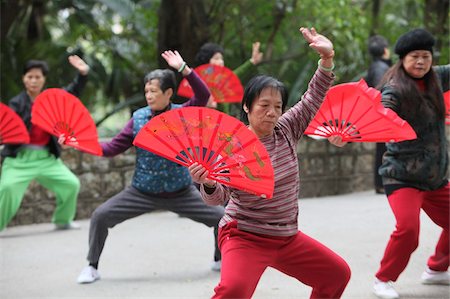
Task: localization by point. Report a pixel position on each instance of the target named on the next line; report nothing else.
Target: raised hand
(318, 42)
(257, 56)
(79, 64)
(174, 59)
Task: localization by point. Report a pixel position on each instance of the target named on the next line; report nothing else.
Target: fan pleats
(354, 112)
(224, 85)
(59, 112)
(12, 127)
(232, 154)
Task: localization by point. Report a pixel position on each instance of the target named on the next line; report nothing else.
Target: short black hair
(376, 45)
(166, 78)
(36, 64)
(254, 88)
(206, 52)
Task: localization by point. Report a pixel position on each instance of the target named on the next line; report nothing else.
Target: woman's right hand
(62, 140)
(337, 141)
(79, 64)
(199, 175)
(318, 42)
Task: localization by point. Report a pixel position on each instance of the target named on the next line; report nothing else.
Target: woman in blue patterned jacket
(158, 184)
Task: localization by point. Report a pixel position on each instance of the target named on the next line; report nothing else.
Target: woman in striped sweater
(256, 233)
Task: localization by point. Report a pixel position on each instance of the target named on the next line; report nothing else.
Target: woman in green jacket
(213, 53)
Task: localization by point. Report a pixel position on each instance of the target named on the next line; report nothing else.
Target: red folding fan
(354, 112)
(447, 107)
(224, 85)
(59, 112)
(232, 153)
(12, 128)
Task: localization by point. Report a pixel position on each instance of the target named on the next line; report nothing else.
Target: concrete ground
(161, 255)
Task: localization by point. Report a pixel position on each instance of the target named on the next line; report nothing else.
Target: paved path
(160, 255)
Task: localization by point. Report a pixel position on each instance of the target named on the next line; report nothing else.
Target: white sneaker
(88, 275)
(70, 225)
(385, 290)
(435, 277)
(216, 266)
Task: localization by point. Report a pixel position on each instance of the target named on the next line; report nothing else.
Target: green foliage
(118, 39)
(115, 37)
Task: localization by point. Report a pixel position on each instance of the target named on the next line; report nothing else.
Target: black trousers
(131, 203)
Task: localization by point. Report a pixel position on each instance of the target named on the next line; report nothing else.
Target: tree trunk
(183, 26)
(36, 23)
(436, 21)
(9, 12)
(376, 5)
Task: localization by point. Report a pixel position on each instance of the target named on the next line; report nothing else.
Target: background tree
(436, 20)
(183, 25)
(122, 39)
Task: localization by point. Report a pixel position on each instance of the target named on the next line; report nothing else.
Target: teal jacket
(154, 174)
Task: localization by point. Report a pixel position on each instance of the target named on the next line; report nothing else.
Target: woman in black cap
(414, 171)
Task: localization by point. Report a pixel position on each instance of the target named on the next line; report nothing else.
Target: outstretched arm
(324, 47)
(201, 91)
(249, 68)
(301, 114)
(78, 84)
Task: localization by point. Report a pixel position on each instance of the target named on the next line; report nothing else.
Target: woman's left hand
(79, 64)
(318, 42)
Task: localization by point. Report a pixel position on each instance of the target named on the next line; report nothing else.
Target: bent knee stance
(10, 200)
(72, 184)
(234, 289)
(100, 217)
(408, 234)
(75, 184)
(343, 274)
(333, 284)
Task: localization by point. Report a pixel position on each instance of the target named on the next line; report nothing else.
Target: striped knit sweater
(277, 216)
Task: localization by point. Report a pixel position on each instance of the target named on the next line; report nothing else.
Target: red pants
(406, 204)
(245, 256)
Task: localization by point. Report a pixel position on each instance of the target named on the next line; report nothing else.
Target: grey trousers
(131, 203)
